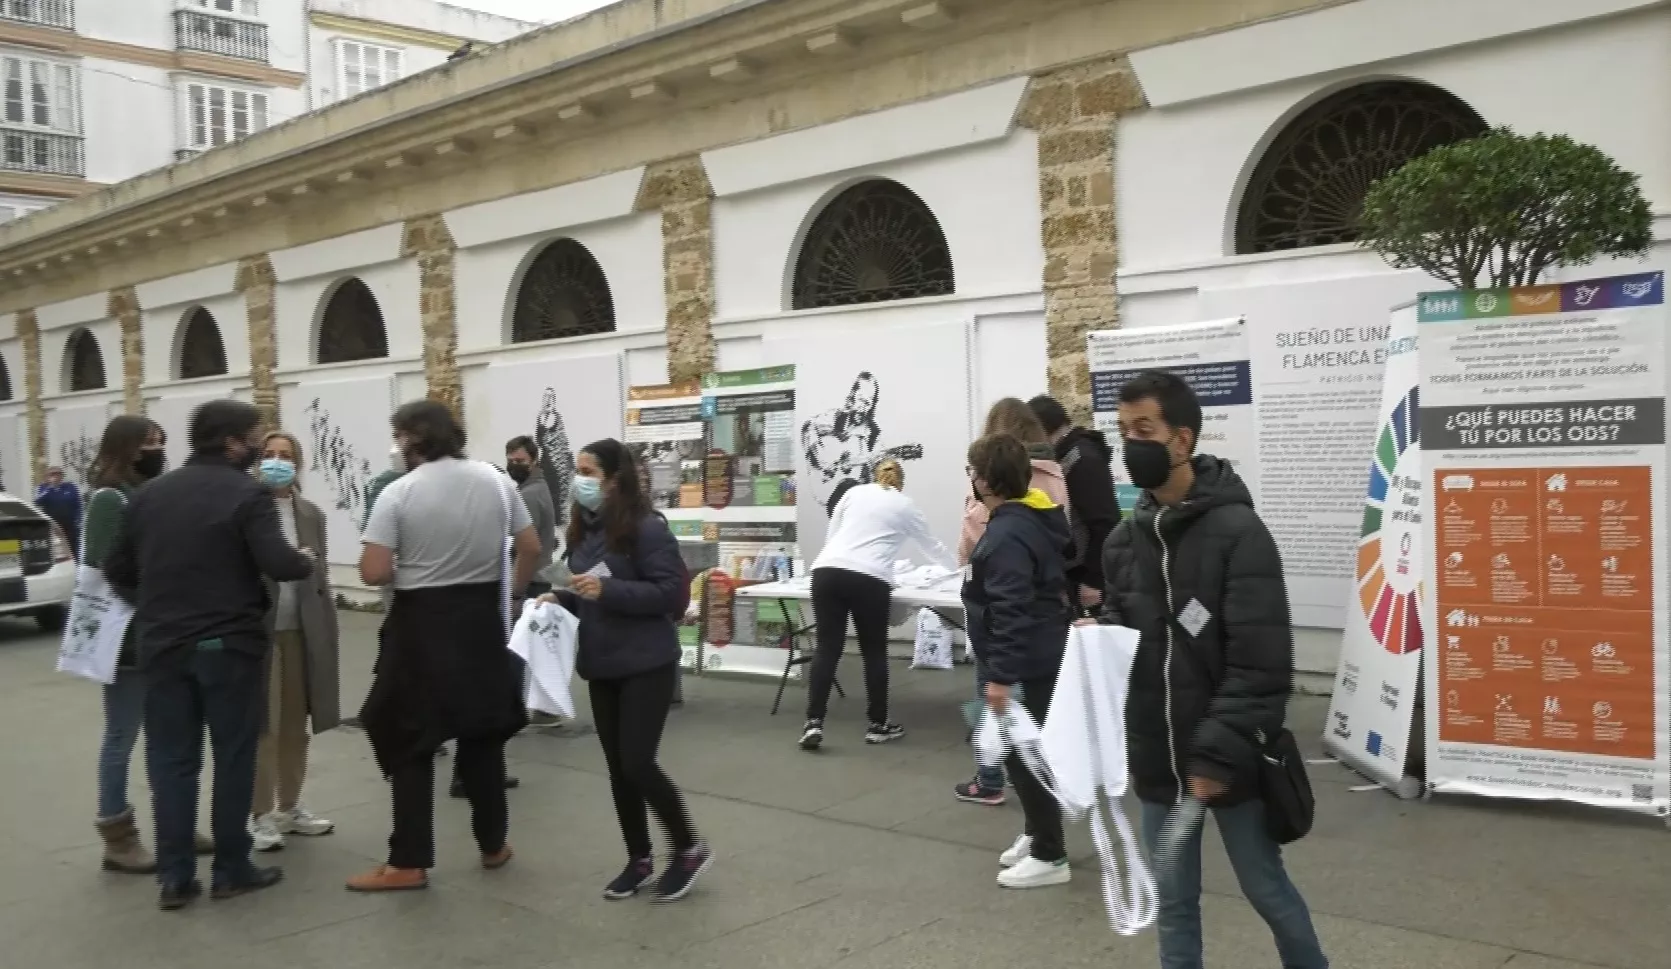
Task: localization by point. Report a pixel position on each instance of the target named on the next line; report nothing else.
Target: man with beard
(195, 545)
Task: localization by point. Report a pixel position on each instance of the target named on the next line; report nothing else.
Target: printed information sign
(1543, 432)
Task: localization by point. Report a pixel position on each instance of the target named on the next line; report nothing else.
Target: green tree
(1505, 207)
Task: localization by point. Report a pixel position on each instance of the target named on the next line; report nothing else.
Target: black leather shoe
(177, 897)
(253, 880)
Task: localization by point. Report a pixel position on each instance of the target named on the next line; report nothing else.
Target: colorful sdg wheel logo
(1389, 580)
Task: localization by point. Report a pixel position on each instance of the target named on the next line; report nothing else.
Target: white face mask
(588, 493)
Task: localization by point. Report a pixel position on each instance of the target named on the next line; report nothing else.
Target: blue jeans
(1257, 861)
(991, 777)
(124, 713)
(226, 691)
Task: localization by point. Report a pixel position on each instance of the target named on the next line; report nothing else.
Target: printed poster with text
(665, 430)
(1543, 427)
(749, 491)
(1373, 705)
(1211, 357)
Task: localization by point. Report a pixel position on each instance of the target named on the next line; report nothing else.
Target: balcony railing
(47, 13)
(216, 33)
(42, 152)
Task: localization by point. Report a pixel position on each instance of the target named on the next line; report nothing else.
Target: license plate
(10, 555)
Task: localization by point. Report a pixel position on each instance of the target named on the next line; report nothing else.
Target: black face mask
(149, 464)
(518, 472)
(1148, 463)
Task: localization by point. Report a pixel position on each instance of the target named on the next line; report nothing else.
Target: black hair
(1050, 413)
(119, 448)
(624, 505)
(1001, 461)
(1178, 404)
(523, 442)
(212, 423)
(434, 431)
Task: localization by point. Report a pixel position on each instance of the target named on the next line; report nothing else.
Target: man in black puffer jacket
(1195, 571)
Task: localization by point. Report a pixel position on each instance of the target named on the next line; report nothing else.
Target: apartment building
(93, 92)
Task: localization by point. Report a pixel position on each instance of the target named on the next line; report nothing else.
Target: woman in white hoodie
(853, 577)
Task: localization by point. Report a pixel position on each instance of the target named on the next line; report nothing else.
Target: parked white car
(37, 567)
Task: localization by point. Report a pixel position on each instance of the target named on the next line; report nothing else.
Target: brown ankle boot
(122, 851)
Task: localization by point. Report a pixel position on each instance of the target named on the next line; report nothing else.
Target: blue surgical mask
(588, 493)
(277, 473)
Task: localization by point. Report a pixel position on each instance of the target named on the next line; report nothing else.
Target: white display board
(344, 429)
(1316, 351)
(903, 393)
(14, 467)
(563, 404)
(1211, 357)
(1372, 709)
(174, 414)
(1543, 434)
(72, 438)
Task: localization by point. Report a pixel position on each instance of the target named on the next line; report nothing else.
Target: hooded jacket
(1047, 477)
(1016, 593)
(1202, 584)
(1084, 457)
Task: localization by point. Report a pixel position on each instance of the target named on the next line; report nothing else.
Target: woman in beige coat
(302, 688)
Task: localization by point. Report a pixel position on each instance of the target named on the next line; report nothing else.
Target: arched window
(5, 380)
(352, 325)
(83, 363)
(564, 293)
(873, 243)
(202, 353)
(1309, 187)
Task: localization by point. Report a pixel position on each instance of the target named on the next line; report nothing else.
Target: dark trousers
(480, 766)
(838, 594)
(224, 690)
(1042, 813)
(629, 714)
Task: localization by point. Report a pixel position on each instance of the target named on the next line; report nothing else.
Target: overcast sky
(544, 11)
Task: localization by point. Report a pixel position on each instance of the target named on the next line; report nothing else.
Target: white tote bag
(546, 638)
(934, 643)
(98, 620)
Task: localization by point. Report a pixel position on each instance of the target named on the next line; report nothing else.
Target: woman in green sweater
(130, 454)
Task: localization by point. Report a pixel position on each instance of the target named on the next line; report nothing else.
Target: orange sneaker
(386, 879)
(498, 859)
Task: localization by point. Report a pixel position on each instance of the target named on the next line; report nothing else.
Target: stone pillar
(29, 331)
(680, 189)
(1076, 112)
(255, 280)
(124, 306)
(428, 240)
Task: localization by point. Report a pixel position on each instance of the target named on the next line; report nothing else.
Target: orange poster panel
(1545, 609)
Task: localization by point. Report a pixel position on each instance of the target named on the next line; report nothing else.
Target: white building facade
(720, 209)
(98, 91)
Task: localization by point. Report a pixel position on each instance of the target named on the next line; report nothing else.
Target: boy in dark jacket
(1084, 457)
(1195, 571)
(1016, 597)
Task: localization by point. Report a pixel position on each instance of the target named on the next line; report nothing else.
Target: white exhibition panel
(1181, 169)
(15, 477)
(860, 394)
(165, 326)
(107, 333)
(301, 306)
(646, 366)
(343, 425)
(173, 409)
(628, 250)
(1011, 359)
(1316, 421)
(74, 427)
(994, 237)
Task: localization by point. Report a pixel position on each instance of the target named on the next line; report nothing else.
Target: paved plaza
(856, 858)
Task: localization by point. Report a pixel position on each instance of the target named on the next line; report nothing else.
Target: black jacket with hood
(1016, 593)
(1199, 698)
(1084, 456)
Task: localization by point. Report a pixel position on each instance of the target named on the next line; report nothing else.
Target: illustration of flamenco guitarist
(556, 459)
(841, 443)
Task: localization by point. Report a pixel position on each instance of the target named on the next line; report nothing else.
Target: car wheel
(52, 618)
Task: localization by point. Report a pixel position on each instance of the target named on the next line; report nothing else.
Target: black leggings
(836, 595)
(629, 714)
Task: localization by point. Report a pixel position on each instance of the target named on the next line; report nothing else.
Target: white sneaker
(303, 822)
(1030, 872)
(264, 831)
(1016, 853)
